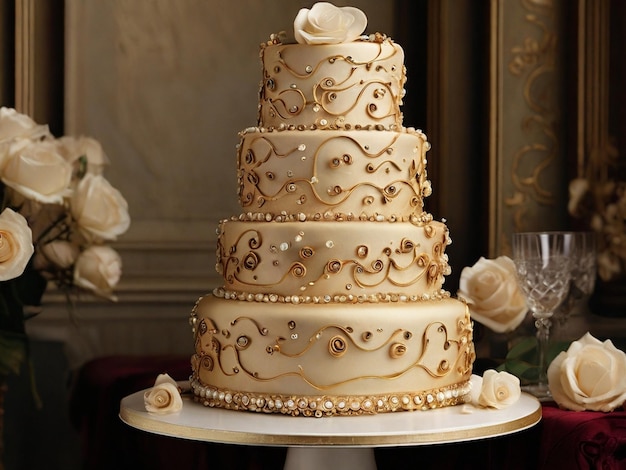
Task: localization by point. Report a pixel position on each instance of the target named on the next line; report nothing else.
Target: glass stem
(543, 339)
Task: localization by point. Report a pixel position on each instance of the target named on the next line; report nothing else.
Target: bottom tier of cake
(331, 359)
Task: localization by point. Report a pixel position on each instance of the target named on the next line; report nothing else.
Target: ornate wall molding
(526, 126)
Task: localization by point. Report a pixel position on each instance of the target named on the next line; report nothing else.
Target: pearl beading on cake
(422, 219)
(330, 405)
(335, 125)
(329, 298)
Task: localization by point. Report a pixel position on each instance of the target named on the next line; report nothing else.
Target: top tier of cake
(352, 85)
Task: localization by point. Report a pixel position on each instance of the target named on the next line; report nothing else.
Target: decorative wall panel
(527, 158)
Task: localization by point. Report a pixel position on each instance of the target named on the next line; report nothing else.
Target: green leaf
(525, 371)
(82, 164)
(522, 360)
(523, 347)
(556, 348)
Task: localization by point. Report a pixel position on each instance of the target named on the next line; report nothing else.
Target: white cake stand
(322, 442)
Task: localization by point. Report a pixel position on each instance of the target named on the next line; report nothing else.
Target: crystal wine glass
(583, 278)
(543, 263)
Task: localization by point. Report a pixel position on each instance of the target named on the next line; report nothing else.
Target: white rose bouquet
(57, 214)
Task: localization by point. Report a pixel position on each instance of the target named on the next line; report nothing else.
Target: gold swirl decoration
(383, 271)
(377, 56)
(307, 171)
(440, 353)
(333, 266)
(289, 104)
(261, 329)
(406, 246)
(298, 270)
(203, 328)
(397, 350)
(273, 264)
(206, 362)
(429, 231)
(338, 343)
(250, 261)
(330, 85)
(327, 93)
(433, 273)
(346, 159)
(385, 166)
(306, 252)
(337, 346)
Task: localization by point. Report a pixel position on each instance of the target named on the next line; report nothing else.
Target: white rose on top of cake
(333, 301)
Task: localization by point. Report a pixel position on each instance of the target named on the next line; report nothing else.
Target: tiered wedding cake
(332, 302)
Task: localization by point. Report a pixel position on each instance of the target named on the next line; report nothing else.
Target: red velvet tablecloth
(584, 439)
(562, 440)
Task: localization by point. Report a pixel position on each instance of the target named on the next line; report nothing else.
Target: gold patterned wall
(528, 166)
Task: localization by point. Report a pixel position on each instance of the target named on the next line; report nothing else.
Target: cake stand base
(322, 442)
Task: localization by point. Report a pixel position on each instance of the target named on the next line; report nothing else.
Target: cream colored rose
(493, 296)
(72, 148)
(164, 397)
(60, 253)
(495, 389)
(14, 125)
(37, 171)
(99, 209)
(590, 375)
(98, 269)
(16, 244)
(325, 23)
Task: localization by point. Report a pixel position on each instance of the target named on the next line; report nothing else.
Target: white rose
(495, 389)
(14, 124)
(60, 253)
(73, 148)
(325, 23)
(164, 397)
(98, 269)
(590, 375)
(493, 296)
(16, 244)
(99, 208)
(37, 171)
